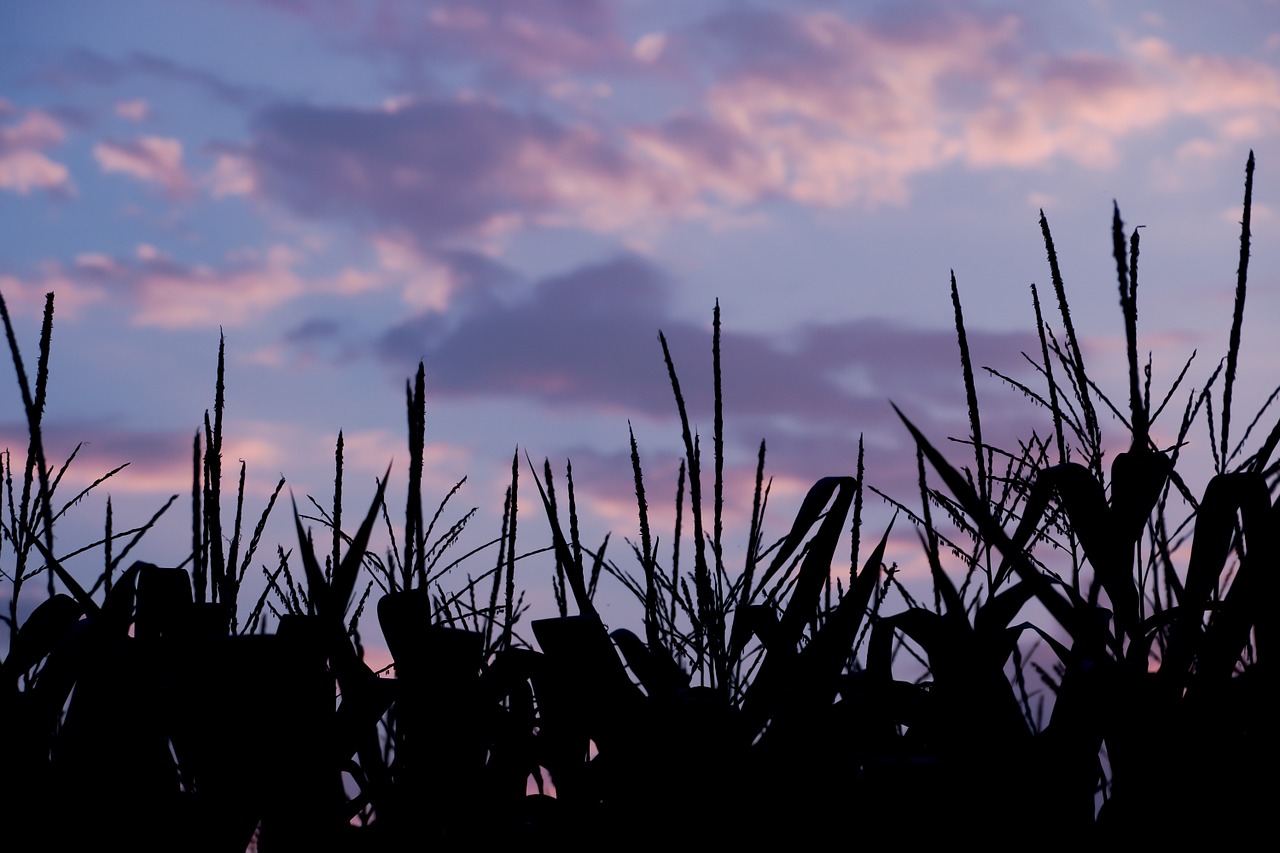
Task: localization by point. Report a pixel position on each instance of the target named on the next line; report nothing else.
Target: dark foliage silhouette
(768, 702)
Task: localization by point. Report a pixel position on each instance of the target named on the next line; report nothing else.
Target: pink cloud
(159, 462)
(135, 110)
(26, 295)
(535, 39)
(823, 110)
(649, 47)
(151, 159)
(831, 111)
(161, 292)
(172, 296)
(231, 176)
(24, 166)
(715, 159)
(1081, 107)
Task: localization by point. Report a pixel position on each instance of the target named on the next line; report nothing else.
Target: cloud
(808, 106)
(831, 111)
(1082, 106)
(576, 340)
(86, 67)
(649, 47)
(540, 39)
(312, 330)
(161, 292)
(584, 344)
(713, 161)
(502, 42)
(24, 167)
(588, 338)
(175, 296)
(429, 284)
(231, 176)
(443, 169)
(136, 110)
(151, 159)
(159, 461)
(26, 295)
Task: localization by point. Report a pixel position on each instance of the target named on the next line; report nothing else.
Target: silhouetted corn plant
(459, 666)
(1160, 666)
(757, 703)
(218, 570)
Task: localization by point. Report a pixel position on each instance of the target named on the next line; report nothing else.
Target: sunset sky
(522, 194)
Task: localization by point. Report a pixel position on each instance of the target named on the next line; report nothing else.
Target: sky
(523, 194)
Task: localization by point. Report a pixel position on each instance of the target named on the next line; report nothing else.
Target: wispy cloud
(85, 67)
(137, 109)
(174, 295)
(1082, 107)
(539, 39)
(157, 290)
(150, 159)
(24, 166)
(231, 176)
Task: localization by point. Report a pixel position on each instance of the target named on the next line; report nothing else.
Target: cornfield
(1090, 667)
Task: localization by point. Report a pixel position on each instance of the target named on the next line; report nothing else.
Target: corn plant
(1159, 665)
(753, 704)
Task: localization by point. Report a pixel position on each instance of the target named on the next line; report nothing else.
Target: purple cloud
(317, 329)
(84, 66)
(589, 337)
(580, 338)
(505, 42)
(436, 169)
